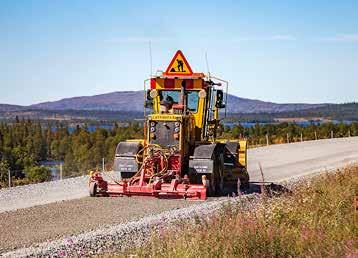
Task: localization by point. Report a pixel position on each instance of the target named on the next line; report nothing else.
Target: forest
(24, 144)
(338, 112)
(261, 134)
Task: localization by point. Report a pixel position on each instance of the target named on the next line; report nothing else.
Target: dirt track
(51, 221)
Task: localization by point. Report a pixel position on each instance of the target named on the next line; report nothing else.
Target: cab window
(193, 100)
(169, 97)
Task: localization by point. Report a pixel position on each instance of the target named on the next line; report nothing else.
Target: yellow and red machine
(180, 155)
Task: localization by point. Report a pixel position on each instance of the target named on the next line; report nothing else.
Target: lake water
(92, 128)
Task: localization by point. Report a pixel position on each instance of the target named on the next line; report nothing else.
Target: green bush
(38, 174)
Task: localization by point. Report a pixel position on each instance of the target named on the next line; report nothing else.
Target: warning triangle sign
(179, 66)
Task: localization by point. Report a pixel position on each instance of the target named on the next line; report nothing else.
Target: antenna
(150, 57)
(207, 63)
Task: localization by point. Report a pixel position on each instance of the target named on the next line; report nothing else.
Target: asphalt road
(52, 210)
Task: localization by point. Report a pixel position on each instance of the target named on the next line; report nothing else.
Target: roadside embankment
(316, 219)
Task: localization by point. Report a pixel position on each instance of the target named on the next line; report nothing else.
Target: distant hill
(338, 112)
(244, 105)
(346, 111)
(133, 101)
(329, 112)
(114, 101)
(8, 107)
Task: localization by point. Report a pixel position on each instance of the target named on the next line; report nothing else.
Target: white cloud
(342, 38)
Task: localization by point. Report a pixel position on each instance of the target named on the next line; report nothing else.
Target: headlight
(177, 124)
(152, 124)
(152, 129)
(153, 93)
(202, 94)
(176, 129)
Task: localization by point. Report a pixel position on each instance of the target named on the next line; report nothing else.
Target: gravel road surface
(287, 161)
(279, 162)
(36, 224)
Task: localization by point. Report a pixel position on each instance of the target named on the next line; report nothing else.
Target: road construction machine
(181, 155)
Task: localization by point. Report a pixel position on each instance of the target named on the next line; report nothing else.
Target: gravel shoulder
(43, 193)
(49, 222)
(116, 238)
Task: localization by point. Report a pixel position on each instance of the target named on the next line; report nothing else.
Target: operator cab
(180, 97)
(193, 102)
(170, 99)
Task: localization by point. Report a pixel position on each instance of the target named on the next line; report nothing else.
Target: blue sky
(280, 51)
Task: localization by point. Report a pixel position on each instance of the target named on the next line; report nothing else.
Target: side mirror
(220, 99)
(149, 101)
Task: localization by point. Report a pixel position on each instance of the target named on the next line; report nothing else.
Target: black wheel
(245, 180)
(93, 189)
(212, 185)
(216, 179)
(220, 175)
(245, 186)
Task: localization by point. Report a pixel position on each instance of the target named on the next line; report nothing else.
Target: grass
(318, 219)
